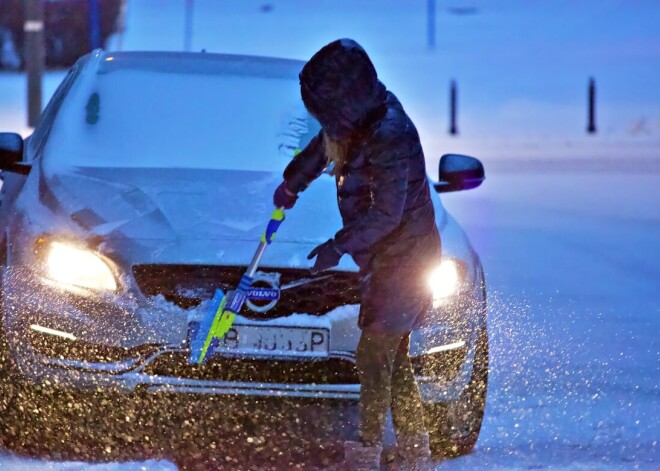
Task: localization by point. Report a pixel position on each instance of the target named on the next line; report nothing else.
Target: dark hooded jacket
(382, 190)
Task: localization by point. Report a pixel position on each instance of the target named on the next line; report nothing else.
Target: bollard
(453, 128)
(591, 125)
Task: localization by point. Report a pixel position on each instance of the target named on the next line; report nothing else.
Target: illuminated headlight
(81, 268)
(445, 281)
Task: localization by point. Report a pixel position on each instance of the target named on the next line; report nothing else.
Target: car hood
(191, 215)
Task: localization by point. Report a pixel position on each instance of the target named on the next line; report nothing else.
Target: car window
(42, 129)
(162, 117)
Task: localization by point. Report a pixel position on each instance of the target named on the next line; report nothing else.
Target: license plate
(251, 340)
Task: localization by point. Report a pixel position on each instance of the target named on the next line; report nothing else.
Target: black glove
(283, 197)
(327, 256)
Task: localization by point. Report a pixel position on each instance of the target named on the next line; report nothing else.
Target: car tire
(454, 427)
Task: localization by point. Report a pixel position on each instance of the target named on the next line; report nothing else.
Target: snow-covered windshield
(176, 111)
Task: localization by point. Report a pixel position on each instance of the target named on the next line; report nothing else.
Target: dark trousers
(387, 380)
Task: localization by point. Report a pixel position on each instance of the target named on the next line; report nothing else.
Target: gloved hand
(283, 197)
(327, 256)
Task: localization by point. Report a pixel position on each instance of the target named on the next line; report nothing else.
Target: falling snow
(566, 226)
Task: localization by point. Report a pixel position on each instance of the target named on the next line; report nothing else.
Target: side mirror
(11, 153)
(459, 172)
(11, 150)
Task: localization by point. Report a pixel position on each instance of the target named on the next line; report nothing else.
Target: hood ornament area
(265, 291)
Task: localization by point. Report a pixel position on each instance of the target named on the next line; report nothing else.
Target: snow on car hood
(192, 215)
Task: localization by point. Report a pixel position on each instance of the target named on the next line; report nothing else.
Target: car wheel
(454, 427)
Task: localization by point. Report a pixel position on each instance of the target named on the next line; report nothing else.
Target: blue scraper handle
(223, 309)
(273, 225)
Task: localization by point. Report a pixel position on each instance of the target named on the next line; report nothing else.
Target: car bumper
(135, 344)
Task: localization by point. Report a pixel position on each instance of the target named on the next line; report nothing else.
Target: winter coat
(382, 190)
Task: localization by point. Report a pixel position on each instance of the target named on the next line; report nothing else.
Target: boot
(358, 457)
(414, 453)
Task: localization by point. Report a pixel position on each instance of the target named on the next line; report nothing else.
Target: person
(372, 148)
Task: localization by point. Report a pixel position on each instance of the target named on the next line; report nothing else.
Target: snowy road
(573, 269)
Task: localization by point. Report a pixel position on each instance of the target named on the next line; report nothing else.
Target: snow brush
(205, 335)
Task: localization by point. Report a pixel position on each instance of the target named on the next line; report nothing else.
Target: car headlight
(70, 265)
(445, 281)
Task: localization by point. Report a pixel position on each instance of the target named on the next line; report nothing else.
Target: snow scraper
(205, 335)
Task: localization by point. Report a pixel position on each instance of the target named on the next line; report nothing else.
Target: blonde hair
(336, 151)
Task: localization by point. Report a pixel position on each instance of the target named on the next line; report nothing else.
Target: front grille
(188, 285)
(326, 371)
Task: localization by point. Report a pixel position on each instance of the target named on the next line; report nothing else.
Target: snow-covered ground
(573, 270)
(567, 224)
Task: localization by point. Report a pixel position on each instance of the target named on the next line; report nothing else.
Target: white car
(147, 185)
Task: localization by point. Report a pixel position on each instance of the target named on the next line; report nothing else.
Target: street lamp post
(188, 26)
(430, 24)
(34, 57)
(94, 22)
